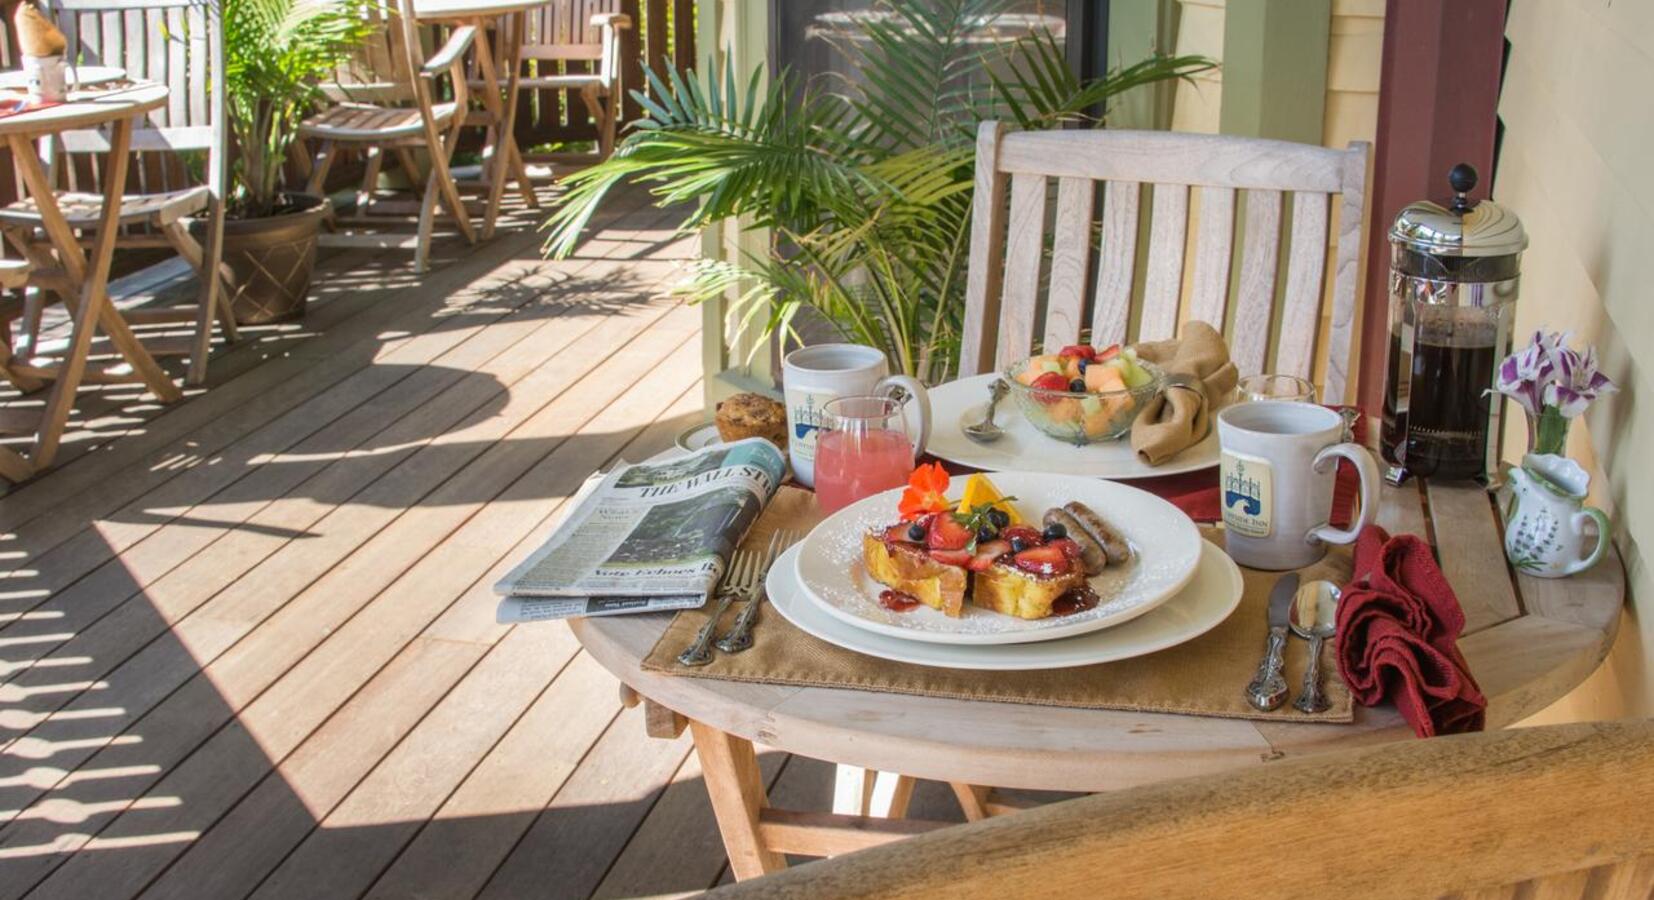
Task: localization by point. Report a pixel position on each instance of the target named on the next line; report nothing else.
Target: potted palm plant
(865, 184)
(276, 52)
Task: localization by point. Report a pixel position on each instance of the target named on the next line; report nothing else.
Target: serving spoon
(985, 431)
(1314, 618)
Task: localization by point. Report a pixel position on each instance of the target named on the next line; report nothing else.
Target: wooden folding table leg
(513, 89)
(730, 768)
(973, 799)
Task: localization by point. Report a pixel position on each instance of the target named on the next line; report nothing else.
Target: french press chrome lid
(1467, 240)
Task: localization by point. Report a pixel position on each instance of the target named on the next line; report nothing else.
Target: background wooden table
(81, 278)
(1528, 642)
(502, 157)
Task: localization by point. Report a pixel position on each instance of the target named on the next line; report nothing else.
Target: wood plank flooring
(247, 644)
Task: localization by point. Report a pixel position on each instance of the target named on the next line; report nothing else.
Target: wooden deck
(247, 642)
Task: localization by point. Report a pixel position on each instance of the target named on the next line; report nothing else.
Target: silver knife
(1268, 688)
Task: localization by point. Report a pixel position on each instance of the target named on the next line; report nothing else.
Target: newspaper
(648, 537)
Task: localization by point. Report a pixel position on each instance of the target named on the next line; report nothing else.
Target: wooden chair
(1559, 811)
(1245, 297)
(556, 33)
(388, 102)
(178, 43)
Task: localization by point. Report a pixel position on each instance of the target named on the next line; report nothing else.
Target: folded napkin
(36, 35)
(1180, 417)
(1398, 629)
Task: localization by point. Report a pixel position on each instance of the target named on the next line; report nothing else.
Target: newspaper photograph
(646, 537)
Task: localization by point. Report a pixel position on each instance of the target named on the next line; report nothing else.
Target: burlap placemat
(1206, 676)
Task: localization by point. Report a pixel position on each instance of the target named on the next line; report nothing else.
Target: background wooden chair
(563, 32)
(180, 165)
(387, 101)
(1557, 812)
(1271, 315)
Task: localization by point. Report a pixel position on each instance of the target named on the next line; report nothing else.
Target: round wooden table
(502, 158)
(1528, 641)
(72, 271)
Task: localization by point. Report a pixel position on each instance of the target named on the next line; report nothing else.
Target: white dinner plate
(698, 437)
(1204, 602)
(1025, 448)
(1166, 544)
(77, 76)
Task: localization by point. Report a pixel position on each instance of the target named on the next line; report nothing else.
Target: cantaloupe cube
(1102, 379)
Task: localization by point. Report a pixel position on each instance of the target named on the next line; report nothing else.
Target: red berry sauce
(1075, 600)
(896, 601)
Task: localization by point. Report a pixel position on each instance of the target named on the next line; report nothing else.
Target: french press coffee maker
(1454, 272)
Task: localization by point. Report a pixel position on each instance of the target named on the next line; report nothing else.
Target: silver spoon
(985, 431)
(1314, 618)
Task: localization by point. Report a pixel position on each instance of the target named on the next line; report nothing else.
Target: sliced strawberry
(947, 534)
(986, 553)
(1107, 353)
(1045, 560)
(1051, 381)
(1083, 351)
(952, 557)
(1029, 534)
(1068, 547)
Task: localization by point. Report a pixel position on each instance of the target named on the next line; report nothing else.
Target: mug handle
(1368, 470)
(922, 399)
(1590, 514)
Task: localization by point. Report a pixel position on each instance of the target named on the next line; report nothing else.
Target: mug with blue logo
(811, 376)
(1280, 462)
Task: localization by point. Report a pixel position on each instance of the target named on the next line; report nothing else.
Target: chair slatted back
(1260, 297)
(1558, 811)
(378, 70)
(179, 43)
(562, 30)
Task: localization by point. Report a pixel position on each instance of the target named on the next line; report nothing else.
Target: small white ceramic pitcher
(1545, 519)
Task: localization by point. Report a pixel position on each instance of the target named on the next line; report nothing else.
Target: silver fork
(744, 572)
(740, 634)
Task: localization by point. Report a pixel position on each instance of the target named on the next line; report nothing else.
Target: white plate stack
(1175, 589)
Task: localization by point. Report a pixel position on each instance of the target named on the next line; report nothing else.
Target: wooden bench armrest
(611, 20)
(452, 51)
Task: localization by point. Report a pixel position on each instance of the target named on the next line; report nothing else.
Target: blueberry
(1077, 385)
(916, 532)
(999, 517)
(984, 534)
(1083, 363)
(1018, 544)
(1055, 532)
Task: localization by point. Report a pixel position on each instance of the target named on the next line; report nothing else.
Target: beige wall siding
(1575, 166)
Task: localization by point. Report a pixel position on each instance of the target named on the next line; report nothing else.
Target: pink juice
(851, 465)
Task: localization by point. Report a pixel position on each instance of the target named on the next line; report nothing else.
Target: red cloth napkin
(1398, 636)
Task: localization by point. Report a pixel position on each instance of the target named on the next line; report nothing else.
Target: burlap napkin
(1181, 416)
(1206, 676)
(36, 35)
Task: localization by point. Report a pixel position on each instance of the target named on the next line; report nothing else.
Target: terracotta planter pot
(273, 258)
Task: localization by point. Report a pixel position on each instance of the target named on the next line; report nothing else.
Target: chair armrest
(611, 20)
(452, 51)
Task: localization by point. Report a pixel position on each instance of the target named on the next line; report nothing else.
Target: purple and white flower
(1548, 373)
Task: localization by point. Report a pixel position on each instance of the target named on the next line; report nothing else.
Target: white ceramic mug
(1279, 468)
(813, 375)
(48, 77)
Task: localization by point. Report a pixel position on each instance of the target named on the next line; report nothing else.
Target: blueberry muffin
(752, 415)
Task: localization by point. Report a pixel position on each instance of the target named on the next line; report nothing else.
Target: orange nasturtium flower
(926, 492)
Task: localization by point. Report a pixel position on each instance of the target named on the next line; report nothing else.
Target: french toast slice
(909, 569)
(1014, 592)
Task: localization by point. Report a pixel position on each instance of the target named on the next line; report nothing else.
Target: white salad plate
(1199, 607)
(75, 76)
(1024, 447)
(1166, 548)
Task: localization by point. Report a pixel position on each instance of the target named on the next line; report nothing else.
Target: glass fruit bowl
(1084, 417)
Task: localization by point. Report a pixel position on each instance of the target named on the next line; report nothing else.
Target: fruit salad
(1082, 394)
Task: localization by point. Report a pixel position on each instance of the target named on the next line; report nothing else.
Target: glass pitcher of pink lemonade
(863, 449)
